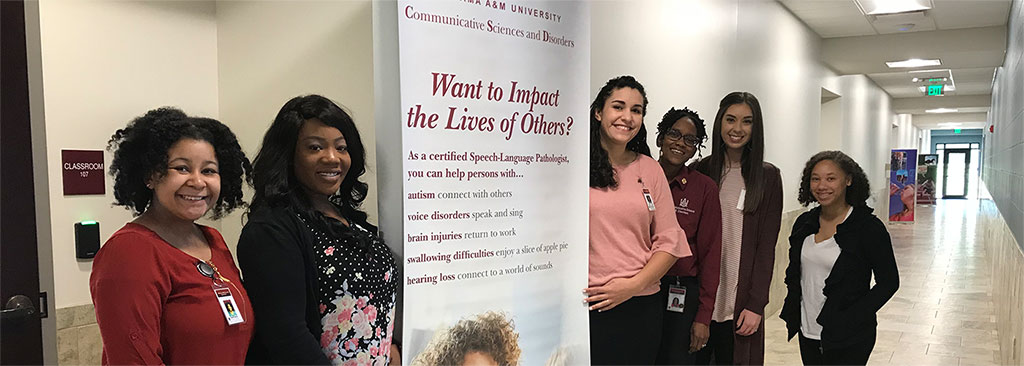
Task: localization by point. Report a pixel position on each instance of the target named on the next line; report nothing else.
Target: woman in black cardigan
(834, 249)
(323, 285)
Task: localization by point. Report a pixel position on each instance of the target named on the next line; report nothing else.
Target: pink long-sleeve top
(624, 233)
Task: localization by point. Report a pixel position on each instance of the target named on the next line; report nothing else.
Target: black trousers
(720, 344)
(628, 334)
(811, 352)
(675, 337)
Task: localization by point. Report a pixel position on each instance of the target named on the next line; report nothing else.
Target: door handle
(18, 307)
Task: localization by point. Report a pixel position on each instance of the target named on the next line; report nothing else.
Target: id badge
(227, 304)
(743, 197)
(650, 201)
(676, 298)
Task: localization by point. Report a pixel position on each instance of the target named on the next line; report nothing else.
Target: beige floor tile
(979, 325)
(906, 327)
(879, 358)
(966, 333)
(962, 352)
(903, 350)
(923, 360)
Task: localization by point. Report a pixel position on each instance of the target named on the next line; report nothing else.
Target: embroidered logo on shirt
(682, 207)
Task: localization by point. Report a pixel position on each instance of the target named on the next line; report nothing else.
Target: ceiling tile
(956, 14)
(831, 18)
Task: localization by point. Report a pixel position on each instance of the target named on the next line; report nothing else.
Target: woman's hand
(699, 334)
(396, 357)
(612, 294)
(747, 323)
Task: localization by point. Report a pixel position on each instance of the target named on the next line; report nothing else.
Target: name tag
(650, 201)
(228, 305)
(676, 298)
(743, 196)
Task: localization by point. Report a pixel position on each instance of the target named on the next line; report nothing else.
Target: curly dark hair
(673, 115)
(273, 169)
(490, 333)
(601, 173)
(856, 194)
(140, 153)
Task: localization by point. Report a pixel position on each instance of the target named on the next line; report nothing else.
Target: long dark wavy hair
(752, 162)
(601, 173)
(674, 115)
(274, 168)
(856, 194)
(140, 153)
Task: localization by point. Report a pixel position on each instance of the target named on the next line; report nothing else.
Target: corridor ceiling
(967, 36)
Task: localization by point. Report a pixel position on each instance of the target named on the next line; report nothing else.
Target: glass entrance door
(956, 167)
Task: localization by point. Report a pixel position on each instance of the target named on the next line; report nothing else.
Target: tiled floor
(942, 313)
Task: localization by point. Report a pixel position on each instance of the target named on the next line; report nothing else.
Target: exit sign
(935, 89)
(956, 130)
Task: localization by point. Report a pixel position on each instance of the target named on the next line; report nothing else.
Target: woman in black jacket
(322, 284)
(834, 249)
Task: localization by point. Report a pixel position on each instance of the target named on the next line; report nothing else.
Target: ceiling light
(878, 7)
(914, 62)
(941, 110)
(927, 71)
(950, 124)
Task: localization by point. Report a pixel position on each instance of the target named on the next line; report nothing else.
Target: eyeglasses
(674, 135)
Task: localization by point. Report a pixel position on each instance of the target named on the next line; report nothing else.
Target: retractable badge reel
(222, 292)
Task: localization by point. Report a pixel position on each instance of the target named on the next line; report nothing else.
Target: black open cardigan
(851, 303)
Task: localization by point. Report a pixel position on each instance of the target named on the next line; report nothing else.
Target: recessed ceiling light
(914, 62)
(941, 110)
(927, 71)
(878, 7)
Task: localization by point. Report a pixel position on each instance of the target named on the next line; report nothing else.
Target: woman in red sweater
(166, 289)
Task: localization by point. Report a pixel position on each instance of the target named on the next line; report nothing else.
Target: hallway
(943, 312)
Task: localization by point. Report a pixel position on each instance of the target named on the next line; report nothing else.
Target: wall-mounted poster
(495, 139)
(902, 185)
(927, 170)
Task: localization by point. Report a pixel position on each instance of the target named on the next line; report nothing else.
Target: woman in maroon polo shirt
(693, 280)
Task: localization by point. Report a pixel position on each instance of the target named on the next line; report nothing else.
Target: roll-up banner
(902, 185)
(927, 170)
(495, 136)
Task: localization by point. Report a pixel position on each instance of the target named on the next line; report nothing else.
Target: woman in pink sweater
(634, 235)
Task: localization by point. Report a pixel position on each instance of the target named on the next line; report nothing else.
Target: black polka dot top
(356, 271)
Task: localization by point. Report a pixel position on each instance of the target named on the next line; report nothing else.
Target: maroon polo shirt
(695, 197)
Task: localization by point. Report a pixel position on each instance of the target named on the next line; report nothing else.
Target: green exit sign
(935, 89)
(956, 130)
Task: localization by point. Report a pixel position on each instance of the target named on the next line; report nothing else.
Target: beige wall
(103, 64)
(271, 51)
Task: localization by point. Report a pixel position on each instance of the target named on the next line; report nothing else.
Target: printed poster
(495, 96)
